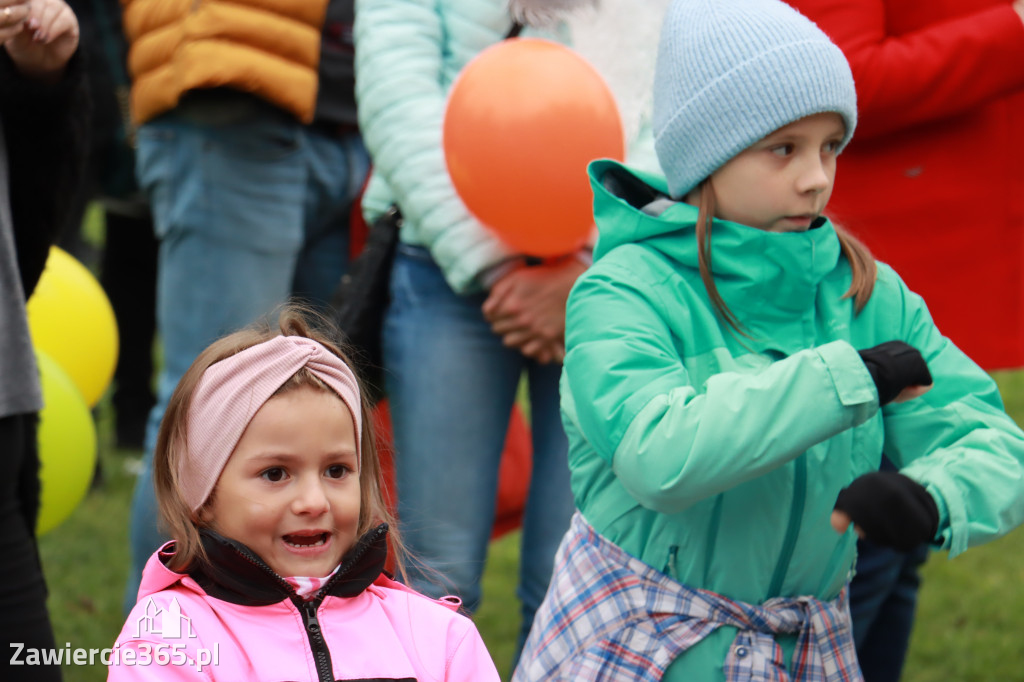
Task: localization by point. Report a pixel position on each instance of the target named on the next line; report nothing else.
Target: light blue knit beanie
(729, 72)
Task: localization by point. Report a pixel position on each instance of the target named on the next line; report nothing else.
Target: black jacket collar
(236, 574)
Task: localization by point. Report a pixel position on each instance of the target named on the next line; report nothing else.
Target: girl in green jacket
(736, 366)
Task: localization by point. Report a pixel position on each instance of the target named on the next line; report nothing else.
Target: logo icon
(168, 622)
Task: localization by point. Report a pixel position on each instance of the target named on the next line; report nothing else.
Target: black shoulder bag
(362, 298)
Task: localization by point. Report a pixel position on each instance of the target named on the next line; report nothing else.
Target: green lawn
(970, 623)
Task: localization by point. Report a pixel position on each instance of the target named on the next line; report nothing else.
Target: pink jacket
(362, 625)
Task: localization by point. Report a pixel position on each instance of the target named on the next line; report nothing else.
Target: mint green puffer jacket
(717, 459)
(408, 53)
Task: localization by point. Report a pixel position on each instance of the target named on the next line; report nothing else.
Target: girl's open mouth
(303, 540)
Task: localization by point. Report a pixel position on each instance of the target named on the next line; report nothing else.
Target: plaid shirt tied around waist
(610, 616)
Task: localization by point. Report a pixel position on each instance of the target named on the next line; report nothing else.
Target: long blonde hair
(184, 525)
(862, 263)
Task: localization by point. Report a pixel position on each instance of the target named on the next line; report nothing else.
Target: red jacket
(933, 180)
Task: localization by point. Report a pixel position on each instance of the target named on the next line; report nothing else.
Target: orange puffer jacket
(270, 48)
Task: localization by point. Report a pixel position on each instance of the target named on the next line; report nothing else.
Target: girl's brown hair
(182, 524)
(862, 263)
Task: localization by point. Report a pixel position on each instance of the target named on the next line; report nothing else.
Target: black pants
(23, 616)
(129, 278)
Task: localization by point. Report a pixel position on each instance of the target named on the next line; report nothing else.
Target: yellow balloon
(71, 320)
(67, 446)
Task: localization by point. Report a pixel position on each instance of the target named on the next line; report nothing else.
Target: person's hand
(13, 14)
(911, 392)
(899, 371)
(1018, 6)
(46, 38)
(526, 308)
(888, 509)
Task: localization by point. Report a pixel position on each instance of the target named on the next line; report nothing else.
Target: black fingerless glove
(894, 366)
(891, 509)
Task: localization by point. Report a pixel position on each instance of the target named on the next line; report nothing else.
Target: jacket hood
(749, 264)
(236, 574)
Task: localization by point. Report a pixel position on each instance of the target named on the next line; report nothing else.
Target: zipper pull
(670, 566)
(309, 618)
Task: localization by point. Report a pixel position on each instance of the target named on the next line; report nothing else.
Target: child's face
(783, 182)
(290, 490)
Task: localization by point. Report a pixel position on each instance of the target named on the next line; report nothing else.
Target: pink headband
(231, 391)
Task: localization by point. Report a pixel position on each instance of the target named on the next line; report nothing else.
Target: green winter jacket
(717, 458)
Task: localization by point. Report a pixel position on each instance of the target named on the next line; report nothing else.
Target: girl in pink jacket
(267, 478)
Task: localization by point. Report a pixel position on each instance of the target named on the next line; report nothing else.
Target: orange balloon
(524, 118)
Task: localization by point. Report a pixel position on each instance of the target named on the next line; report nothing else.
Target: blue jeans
(250, 207)
(452, 385)
(883, 600)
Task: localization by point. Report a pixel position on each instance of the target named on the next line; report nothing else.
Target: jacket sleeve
(45, 135)
(401, 99)
(957, 440)
(941, 70)
(673, 443)
(469, 661)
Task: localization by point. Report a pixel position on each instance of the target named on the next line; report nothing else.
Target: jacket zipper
(317, 644)
(308, 609)
(796, 513)
(351, 560)
(266, 569)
